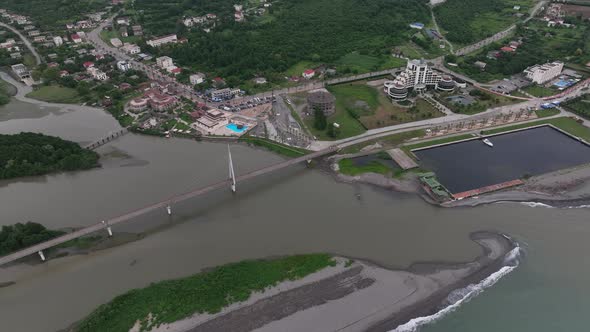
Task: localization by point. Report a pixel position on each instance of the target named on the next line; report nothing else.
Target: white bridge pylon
(232, 175)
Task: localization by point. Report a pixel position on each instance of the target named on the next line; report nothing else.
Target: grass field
(547, 113)
(377, 165)
(360, 107)
(564, 123)
(299, 68)
(55, 94)
(539, 91)
(484, 102)
(107, 35)
(360, 63)
(580, 106)
(206, 292)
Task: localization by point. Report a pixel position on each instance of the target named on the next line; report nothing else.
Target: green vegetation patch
(20, 236)
(580, 106)
(282, 149)
(206, 292)
(378, 165)
(386, 141)
(4, 96)
(564, 123)
(540, 91)
(540, 44)
(547, 112)
(466, 23)
(54, 14)
(56, 94)
(312, 31)
(29, 154)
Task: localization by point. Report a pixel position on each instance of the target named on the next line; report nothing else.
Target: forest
(50, 14)
(540, 45)
(19, 236)
(29, 154)
(318, 31)
(466, 23)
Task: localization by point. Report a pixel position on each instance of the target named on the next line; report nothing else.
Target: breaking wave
(537, 204)
(457, 297)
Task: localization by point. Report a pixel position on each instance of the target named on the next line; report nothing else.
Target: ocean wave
(457, 297)
(537, 204)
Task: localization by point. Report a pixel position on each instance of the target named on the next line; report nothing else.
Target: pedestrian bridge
(163, 204)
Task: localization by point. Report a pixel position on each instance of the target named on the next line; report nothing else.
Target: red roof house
(507, 49)
(88, 64)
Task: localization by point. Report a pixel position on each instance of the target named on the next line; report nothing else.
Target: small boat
(488, 142)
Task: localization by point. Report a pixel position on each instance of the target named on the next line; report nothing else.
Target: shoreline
(354, 295)
(566, 188)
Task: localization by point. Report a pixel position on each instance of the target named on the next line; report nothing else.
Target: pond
(472, 164)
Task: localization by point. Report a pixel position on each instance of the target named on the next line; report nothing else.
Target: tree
(320, 121)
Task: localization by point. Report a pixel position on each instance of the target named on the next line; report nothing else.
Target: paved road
(25, 40)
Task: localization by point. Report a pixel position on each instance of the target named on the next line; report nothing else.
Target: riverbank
(353, 295)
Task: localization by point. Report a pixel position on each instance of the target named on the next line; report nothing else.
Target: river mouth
(468, 165)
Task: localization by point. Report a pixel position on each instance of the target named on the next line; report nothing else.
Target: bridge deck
(159, 205)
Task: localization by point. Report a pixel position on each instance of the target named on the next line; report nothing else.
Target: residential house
(116, 42)
(308, 73)
(76, 38)
(97, 74)
(164, 62)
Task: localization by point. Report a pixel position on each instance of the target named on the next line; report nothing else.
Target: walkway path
(25, 40)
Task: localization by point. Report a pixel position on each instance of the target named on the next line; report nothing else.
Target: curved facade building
(395, 90)
(446, 84)
(138, 104)
(321, 100)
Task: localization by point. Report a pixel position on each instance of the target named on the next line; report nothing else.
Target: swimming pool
(234, 127)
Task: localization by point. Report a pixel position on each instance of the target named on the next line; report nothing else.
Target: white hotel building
(543, 73)
(417, 76)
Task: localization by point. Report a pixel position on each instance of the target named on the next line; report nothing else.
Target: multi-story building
(226, 93)
(157, 42)
(417, 76)
(164, 62)
(97, 74)
(58, 41)
(21, 71)
(543, 73)
(197, 78)
(123, 66)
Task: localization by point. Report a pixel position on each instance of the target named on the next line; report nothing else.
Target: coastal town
(455, 120)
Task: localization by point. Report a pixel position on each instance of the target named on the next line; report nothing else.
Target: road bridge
(163, 204)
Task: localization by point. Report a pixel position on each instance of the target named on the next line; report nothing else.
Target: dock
(402, 159)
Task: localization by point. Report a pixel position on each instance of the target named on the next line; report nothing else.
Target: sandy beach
(354, 295)
(564, 188)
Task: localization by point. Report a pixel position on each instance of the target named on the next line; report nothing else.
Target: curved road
(25, 40)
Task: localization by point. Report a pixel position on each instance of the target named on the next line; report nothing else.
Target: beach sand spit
(354, 295)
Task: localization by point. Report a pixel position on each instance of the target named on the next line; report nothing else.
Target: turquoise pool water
(234, 127)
